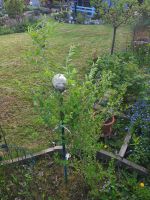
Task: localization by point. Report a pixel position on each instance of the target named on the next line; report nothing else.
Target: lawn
(17, 77)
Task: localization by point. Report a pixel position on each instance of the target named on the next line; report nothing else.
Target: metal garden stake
(59, 82)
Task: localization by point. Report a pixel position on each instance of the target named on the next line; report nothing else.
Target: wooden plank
(26, 158)
(125, 145)
(101, 155)
(107, 156)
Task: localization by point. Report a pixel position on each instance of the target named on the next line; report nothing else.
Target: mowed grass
(17, 77)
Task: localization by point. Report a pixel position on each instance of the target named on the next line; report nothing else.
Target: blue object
(35, 3)
(1, 3)
(83, 6)
(88, 10)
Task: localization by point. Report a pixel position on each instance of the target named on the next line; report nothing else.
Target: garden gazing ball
(59, 82)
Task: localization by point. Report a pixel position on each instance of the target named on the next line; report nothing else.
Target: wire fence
(11, 153)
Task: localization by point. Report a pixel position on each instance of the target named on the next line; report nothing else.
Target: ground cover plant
(140, 126)
(45, 181)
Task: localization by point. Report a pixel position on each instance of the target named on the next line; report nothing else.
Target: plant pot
(107, 127)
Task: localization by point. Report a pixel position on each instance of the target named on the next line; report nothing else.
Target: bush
(80, 18)
(78, 101)
(61, 16)
(41, 10)
(14, 7)
(6, 30)
(2, 21)
(2, 12)
(125, 70)
(142, 53)
(18, 28)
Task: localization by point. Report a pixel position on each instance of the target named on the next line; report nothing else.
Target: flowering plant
(139, 127)
(140, 118)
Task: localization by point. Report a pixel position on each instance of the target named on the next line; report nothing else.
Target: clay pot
(107, 127)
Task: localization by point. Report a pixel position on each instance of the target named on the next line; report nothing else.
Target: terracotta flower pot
(107, 127)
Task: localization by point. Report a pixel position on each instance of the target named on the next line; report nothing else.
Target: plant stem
(63, 141)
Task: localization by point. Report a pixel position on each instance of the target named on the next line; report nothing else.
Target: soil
(41, 180)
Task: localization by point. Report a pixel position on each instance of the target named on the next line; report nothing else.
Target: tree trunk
(113, 40)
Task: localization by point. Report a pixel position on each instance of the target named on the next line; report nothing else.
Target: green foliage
(145, 11)
(41, 32)
(142, 53)
(79, 98)
(14, 8)
(2, 12)
(61, 16)
(119, 13)
(80, 18)
(5, 31)
(18, 28)
(125, 76)
(20, 182)
(140, 127)
(105, 83)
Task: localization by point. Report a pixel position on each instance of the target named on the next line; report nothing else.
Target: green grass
(17, 77)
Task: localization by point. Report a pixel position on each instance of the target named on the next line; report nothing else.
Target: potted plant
(104, 107)
(107, 128)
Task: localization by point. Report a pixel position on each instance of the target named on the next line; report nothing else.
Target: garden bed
(43, 178)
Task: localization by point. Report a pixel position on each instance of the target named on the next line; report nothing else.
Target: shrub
(78, 101)
(108, 81)
(5, 30)
(125, 72)
(14, 7)
(142, 53)
(10, 26)
(61, 16)
(80, 18)
(2, 21)
(2, 12)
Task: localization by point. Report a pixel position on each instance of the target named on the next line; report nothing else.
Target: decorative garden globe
(59, 82)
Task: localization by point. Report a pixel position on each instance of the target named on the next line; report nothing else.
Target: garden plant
(118, 85)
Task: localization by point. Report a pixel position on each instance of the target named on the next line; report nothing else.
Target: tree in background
(145, 12)
(116, 13)
(14, 8)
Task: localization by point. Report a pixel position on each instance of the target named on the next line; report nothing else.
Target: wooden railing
(88, 10)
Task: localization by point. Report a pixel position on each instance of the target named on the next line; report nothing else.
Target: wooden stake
(107, 156)
(125, 145)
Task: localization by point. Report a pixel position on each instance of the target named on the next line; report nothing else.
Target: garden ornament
(59, 82)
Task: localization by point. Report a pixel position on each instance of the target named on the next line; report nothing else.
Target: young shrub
(82, 127)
